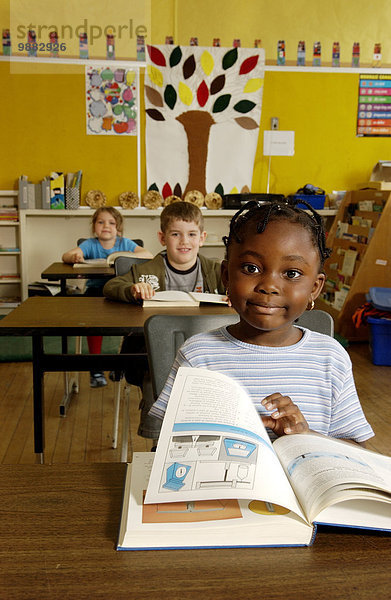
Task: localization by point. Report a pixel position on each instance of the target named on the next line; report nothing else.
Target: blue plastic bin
(380, 341)
(316, 201)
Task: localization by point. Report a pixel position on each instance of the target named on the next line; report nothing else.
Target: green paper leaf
(170, 96)
(230, 58)
(221, 103)
(175, 56)
(244, 106)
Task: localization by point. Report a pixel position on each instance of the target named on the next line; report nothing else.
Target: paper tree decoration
(203, 108)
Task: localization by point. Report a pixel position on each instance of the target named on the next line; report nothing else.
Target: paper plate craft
(213, 201)
(171, 199)
(195, 197)
(95, 199)
(152, 199)
(128, 200)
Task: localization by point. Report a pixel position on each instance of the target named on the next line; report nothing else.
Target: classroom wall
(43, 126)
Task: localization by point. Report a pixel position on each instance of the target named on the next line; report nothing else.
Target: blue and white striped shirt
(316, 373)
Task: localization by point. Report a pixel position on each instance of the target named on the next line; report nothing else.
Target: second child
(179, 267)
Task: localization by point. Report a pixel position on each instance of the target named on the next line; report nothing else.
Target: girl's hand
(142, 291)
(77, 256)
(286, 417)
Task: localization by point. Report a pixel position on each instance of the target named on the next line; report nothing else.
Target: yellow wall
(43, 115)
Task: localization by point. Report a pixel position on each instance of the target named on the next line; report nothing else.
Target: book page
(171, 298)
(91, 262)
(209, 298)
(213, 445)
(324, 470)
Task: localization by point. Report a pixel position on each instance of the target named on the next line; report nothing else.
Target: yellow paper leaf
(253, 85)
(207, 62)
(130, 75)
(234, 190)
(155, 75)
(185, 93)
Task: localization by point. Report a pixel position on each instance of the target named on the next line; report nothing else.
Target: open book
(177, 298)
(102, 262)
(216, 479)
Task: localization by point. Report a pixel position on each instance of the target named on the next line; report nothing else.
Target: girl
(107, 227)
(298, 379)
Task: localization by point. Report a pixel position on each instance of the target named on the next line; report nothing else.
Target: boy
(179, 267)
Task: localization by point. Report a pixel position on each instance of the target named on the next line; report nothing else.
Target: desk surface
(59, 526)
(60, 270)
(75, 315)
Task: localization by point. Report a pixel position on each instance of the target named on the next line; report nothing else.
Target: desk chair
(122, 265)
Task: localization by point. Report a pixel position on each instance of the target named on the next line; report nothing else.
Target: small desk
(60, 271)
(41, 316)
(59, 526)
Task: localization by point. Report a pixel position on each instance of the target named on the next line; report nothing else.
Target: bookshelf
(361, 257)
(10, 276)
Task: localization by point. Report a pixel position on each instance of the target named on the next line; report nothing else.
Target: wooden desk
(50, 553)
(41, 316)
(60, 271)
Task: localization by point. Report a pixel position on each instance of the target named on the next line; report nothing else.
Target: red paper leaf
(202, 93)
(166, 191)
(156, 56)
(248, 65)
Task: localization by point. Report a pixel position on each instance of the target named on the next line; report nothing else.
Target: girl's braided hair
(261, 212)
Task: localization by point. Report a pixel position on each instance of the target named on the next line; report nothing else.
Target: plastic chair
(164, 335)
(122, 265)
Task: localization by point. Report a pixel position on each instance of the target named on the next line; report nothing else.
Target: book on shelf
(178, 298)
(216, 480)
(102, 262)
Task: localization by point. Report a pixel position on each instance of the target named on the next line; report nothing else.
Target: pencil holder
(72, 198)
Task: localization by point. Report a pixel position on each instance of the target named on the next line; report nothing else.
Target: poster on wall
(374, 106)
(111, 107)
(203, 109)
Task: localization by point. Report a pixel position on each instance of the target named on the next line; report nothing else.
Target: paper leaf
(153, 96)
(245, 190)
(221, 103)
(253, 85)
(248, 65)
(207, 62)
(244, 106)
(247, 122)
(175, 56)
(189, 67)
(230, 58)
(166, 191)
(178, 190)
(219, 189)
(156, 115)
(170, 96)
(234, 190)
(185, 93)
(155, 75)
(202, 94)
(153, 187)
(156, 56)
(217, 84)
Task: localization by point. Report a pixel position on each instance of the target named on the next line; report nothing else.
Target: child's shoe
(97, 379)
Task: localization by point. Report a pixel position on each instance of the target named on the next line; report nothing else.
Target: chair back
(80, 240)
(164, 334)
(123, 264)
(317, 320)
(139, 243)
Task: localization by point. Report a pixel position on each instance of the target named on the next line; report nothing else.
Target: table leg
(38, 397)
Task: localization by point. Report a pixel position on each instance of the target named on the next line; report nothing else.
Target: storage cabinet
(360, 238)
(10, 275)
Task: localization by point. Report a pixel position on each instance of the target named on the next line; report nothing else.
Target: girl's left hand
(286, 417)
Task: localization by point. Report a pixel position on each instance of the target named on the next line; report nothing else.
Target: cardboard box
(380, 178)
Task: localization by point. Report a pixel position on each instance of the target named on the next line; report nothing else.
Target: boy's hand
(286, 417)
(142, 291)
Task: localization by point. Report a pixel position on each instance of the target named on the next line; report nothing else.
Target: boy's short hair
(119, 222)
(181, 211)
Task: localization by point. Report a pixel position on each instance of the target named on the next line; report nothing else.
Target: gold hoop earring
(311, 306)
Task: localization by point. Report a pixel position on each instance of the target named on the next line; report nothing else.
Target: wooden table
(59, 526)
(60, 271)
(41, 316)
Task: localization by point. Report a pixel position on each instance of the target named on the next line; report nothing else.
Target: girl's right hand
(77, 256)
(142, 291)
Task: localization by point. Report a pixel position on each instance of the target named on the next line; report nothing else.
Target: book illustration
(212, 461)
